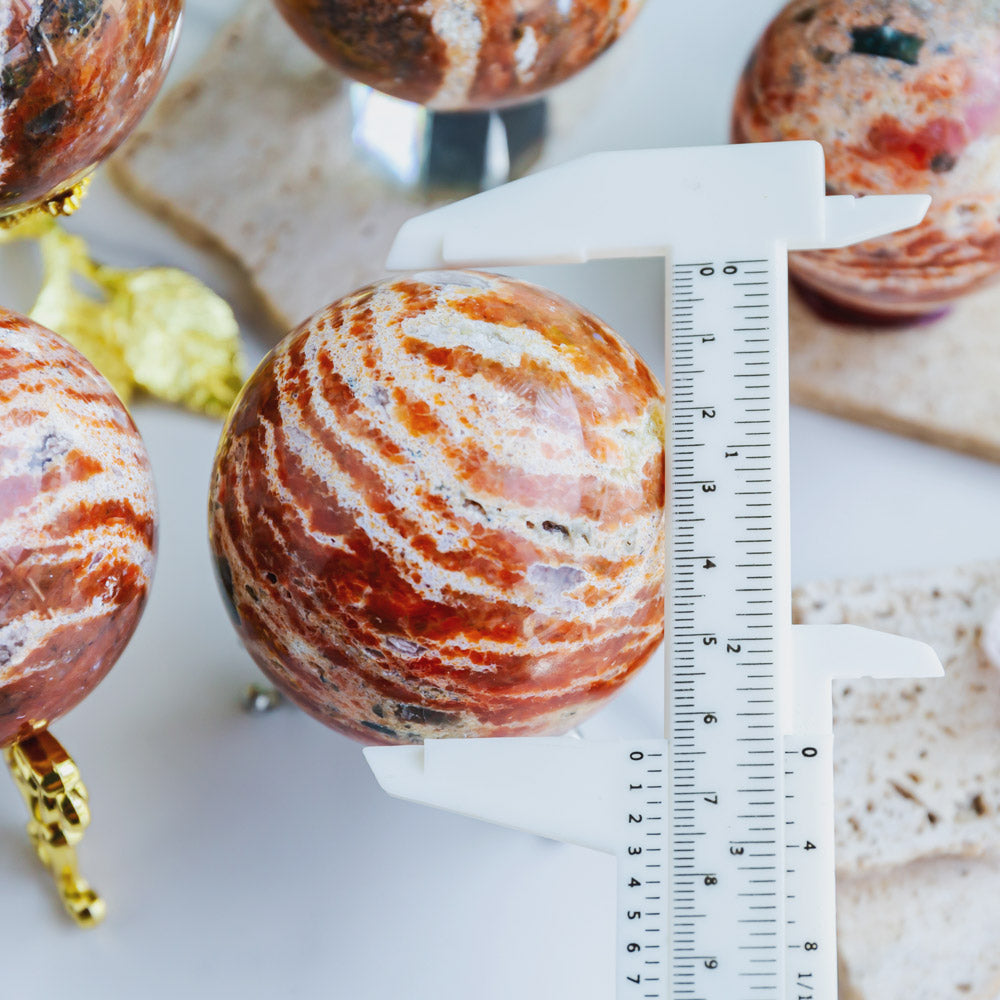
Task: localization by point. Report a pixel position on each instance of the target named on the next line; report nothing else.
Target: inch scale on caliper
(723, 829)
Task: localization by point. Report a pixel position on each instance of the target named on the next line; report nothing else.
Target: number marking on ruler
(642, 871)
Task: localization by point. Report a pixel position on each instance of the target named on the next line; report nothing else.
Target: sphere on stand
(905, 98)
(74, 80)
(437, 510)
(453, 55)
(77, 527)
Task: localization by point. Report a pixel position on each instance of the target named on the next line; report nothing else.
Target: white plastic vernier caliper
(723, 829)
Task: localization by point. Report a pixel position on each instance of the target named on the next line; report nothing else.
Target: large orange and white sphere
(77, 527)
(437, 510)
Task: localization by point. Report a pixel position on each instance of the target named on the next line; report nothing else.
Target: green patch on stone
(886, 41)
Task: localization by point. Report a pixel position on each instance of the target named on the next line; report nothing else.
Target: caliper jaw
(566, 789)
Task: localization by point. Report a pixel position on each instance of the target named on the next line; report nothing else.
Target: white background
(255, 857)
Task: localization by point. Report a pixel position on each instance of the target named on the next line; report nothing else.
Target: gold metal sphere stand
(50, 783)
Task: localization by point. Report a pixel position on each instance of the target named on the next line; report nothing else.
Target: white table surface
(255, 857)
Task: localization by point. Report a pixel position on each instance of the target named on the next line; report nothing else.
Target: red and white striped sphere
(437, 510)
(77, 527)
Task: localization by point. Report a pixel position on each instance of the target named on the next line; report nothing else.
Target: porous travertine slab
(917, 762)
(936, 382)
(926, 931)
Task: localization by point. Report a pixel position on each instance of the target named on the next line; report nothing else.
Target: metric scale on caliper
(723, 829)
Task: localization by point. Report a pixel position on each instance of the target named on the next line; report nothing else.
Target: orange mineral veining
(437, 510)
(77, 527)
(75, 77)
(904, 95)
(458, 55)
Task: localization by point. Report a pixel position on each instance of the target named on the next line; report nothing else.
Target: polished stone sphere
(74, 80)
(456, 55)
(77, 527)
(437, 510)
(904, 95)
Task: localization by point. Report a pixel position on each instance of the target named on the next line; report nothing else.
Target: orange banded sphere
(905, 98)
(459, 55)
(77, 527)
(437, 510)
(75, 77)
